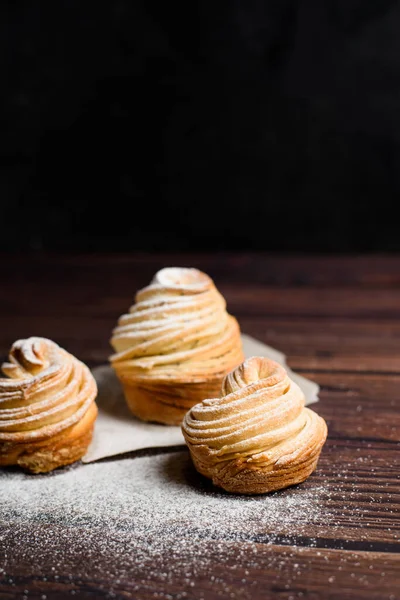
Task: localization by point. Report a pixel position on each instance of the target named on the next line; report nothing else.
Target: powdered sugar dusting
(152, 495)
(147, 514)
(152, 527)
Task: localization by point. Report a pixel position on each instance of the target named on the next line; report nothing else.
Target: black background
(200, 125)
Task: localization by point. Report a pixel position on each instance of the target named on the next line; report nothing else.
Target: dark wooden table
(338, 321)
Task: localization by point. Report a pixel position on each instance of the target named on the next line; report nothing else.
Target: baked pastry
(47, 408)
(175, 345)
(258, 436)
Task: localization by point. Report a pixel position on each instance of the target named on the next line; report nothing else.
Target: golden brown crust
(47, 408)
(168, 404)
(257, 437)
(175, 345)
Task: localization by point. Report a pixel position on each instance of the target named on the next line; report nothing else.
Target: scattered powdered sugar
(158, 495)
(151, 523)
(136, 519)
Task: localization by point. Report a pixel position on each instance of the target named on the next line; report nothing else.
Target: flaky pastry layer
(258, 436)
(47, 408)
(175, 345)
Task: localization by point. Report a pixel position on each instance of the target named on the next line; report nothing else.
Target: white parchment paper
(118, 431)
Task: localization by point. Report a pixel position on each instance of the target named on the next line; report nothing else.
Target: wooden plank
(311, 344)
(337, 320)
(38, 306)
(208, 571)
(266, 269)
(351, 502)
(340, 335)
(350, 537)
(336, 344)
(85, 293)
(95, 288)
(348, 302)
(87, 338)
(367, 364)
(360, 406)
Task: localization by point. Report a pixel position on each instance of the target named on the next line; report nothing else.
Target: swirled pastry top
(45, 391)
(178, 324)
(260, 417)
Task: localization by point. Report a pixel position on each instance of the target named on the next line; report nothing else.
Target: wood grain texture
(337, 319)
(220, 570)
